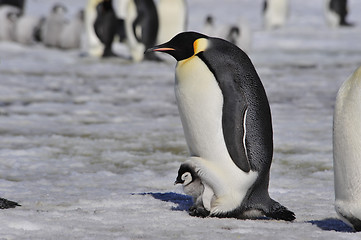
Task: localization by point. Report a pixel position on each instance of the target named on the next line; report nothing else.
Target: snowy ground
(90, 148)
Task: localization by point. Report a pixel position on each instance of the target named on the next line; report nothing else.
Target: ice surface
(90, 148)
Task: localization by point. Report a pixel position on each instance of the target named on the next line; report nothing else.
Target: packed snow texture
(90, 148)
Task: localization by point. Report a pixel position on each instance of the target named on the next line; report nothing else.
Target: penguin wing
(234, 123)
(234, 112)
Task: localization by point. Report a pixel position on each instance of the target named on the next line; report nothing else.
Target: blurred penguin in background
(208, 26)
(336, 12)
(15, 3)
(54, 25)
(28, 28)
(104, 20)
(70, 37)
(105, 26)
(239, 34)
(275, 13)
(8, 18)
(141, 25)
(172, 16)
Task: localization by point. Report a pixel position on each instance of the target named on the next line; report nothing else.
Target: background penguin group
(138, 23)
(54, 30)
(276, 13)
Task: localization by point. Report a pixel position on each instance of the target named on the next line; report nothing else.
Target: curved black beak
(159, 48)
(178, 181)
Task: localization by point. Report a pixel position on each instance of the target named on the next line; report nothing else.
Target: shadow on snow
(183, 202)
(332, 224)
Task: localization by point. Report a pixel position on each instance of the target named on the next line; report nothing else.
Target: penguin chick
(70, 36)
(193, 186)
(54, 25)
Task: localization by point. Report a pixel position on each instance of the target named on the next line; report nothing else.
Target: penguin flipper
(4, 204)
(234, 113)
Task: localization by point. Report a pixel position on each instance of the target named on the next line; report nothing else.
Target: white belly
(200, 103)
(347, 147)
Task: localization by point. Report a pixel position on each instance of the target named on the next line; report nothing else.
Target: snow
(91, 148)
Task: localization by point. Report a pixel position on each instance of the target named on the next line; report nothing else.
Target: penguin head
(183, 46)
(186, 175)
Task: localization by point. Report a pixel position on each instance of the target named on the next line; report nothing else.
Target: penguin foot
(107, 54)
(4, 204)
(198, 211)
(346, 24)
(280, 212)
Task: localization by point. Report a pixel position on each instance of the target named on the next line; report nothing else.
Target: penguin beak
(159, 49)
(178, 182)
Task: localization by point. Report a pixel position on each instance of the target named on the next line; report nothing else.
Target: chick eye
(185, 176)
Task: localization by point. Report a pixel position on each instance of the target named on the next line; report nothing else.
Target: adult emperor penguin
(275, 13)
(141, 26)
(105, 26)
(192, 185)
(172, 17)
(336, 12)
(227, 124)
(92, 44)
(347, 151)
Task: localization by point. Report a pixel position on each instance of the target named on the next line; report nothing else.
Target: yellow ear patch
(200, 45)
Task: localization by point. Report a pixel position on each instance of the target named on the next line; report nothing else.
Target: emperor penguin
(26, 30)
(4, 204)
(15, 3)
(141, 26)
(275, 13)
(92, 44)
(227, 124)
(336, 12)
(8, 18)
(71, 34)
(172, 18)
(105, 26)
(192, 185)
(347, 151)
(54, 25)
(241, 35)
